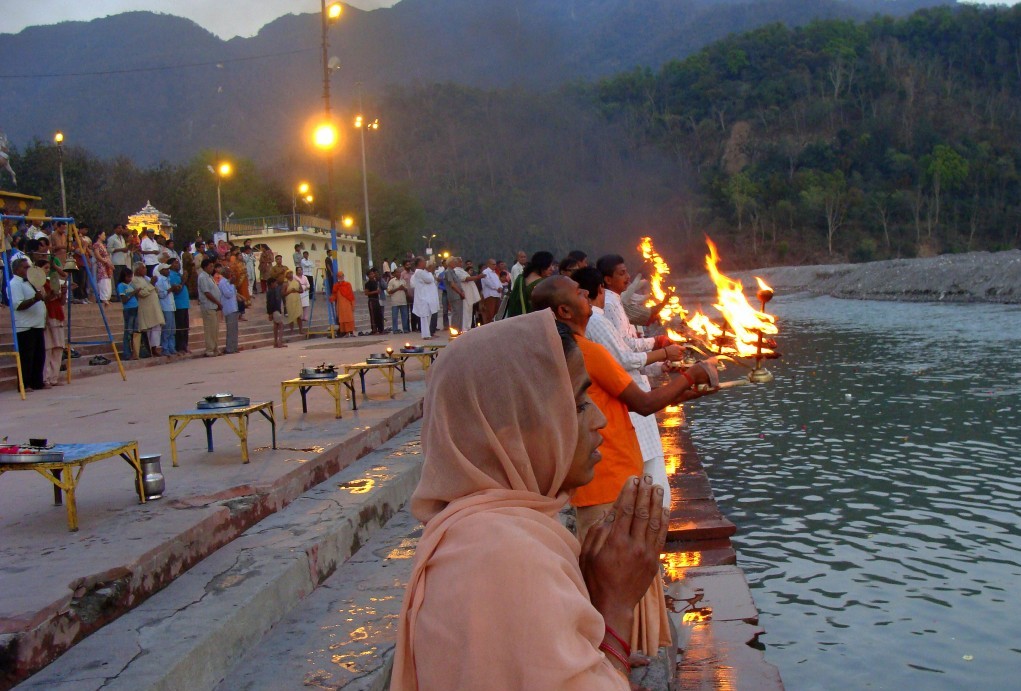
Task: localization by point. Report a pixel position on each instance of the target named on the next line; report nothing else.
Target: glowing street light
(223, 169)
(348, 222)
(301, 190)
(334, 11)
(58, 139)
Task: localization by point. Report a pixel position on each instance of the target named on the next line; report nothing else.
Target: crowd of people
(154, 283)
(496, 573)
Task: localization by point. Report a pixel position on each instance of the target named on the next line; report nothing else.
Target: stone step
(190, 634)
(343, 635)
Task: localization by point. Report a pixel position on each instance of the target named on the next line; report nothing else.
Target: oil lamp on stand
(761, 375)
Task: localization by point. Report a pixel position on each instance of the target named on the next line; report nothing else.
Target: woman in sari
(343, 297)
(520, 301)
(292, 301)
(496, 577)
(150, 314)
(265, 265)
(104, 268)
(306, 297)
(239, 279)
(188, 275)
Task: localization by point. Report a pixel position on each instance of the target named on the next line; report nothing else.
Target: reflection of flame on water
(676, 562)
(697, 616)
(745, 321)
(672, 463)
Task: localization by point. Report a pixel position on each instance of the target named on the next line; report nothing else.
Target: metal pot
(152, 477)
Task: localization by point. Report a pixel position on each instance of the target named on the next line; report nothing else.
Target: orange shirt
(622, 457)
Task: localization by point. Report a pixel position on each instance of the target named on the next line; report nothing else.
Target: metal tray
(413, 351)
(35, 457)
(312, 374)
(234, 402)
(380, 360)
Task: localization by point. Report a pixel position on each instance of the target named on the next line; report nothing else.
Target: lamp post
(58, 138)
(302, 190)
(326, 134)
(362, 126)
(429, 243)
(222, 170)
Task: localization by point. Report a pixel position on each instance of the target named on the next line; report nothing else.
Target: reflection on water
(875, 492)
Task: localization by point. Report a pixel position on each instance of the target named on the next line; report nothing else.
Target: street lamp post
(222, 170)
(362, 126)
(429, 243)
(59, 139)
(329, 14)
(302, 190)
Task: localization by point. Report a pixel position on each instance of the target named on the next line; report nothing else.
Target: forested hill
(157, 87)
(888, 138)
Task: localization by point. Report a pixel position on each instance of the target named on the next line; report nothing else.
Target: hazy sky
(225, 18)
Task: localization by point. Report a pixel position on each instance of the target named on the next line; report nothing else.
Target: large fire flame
(743, 321)
(746, 322)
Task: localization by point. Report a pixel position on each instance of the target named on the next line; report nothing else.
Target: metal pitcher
(152, 477)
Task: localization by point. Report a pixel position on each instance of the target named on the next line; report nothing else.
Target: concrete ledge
(31, 641)
(190, 634)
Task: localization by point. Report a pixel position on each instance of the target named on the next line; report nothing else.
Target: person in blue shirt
(168, 337)
(129, 305)
(229, 303)
(182, 302)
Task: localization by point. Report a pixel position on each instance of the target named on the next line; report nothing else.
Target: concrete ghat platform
(191, 633)
(61, 586)
(714, 618)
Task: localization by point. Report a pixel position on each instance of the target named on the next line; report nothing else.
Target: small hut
(151, 217)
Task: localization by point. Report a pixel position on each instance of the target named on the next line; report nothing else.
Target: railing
(284, 223)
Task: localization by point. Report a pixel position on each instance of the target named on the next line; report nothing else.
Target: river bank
(972, 277)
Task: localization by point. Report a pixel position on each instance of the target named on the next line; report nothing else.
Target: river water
(877, 495)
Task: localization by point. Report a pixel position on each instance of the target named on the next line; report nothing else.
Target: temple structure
(151, 217)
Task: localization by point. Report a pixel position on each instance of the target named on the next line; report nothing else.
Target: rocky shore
(972, 277)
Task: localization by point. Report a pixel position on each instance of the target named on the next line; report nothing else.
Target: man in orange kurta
(615, 394)
(343, 296)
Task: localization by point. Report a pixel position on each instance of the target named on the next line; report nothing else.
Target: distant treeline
(864, 141)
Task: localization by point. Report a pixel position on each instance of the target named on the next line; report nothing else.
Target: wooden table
(236, 417)
(425, 358)
(65, 480)
(388, 369)
(332, 386)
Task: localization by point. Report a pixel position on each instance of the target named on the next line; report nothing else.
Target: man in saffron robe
(343, 297)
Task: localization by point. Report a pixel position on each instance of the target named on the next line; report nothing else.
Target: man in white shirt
(492, 291)
(519, 266)
(615, 279)
(308, 268)
(117, 248)
(30, 325)
(150, 250)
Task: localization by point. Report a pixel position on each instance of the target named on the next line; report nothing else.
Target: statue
(5, 158)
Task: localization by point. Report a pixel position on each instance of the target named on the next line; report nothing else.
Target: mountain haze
(157, 87)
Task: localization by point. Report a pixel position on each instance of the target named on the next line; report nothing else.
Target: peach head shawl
(496, 599)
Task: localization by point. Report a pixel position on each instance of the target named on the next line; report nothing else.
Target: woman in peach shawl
(501, 595)
(343, 297)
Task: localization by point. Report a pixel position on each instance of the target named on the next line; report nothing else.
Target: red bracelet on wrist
(691, 382)
(609, 650)
(626, 647)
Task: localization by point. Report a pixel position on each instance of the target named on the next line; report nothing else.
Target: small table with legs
(236, 417)
(331, 385)
(388, 369)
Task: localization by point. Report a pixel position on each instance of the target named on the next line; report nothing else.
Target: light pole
(429, 243)
(326, 134)
(302, 190)
(362, 126)
(222, 170)
(59, 139)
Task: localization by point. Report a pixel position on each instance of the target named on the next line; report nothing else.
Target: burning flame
(454, 332)
(698, 615)
(744, 320)
(762, 285)
(657, 294)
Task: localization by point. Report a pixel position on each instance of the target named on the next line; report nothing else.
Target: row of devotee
(493, 485)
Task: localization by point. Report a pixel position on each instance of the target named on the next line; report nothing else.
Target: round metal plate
(235, 402)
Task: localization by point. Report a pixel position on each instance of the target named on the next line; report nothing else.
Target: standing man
(165, 292)
(30, 325)
(209, 301)
(372, 291)
(308, 268)
(455, 294)
(492, 291)
(407, 270)
(296, 257)
(398, 292)
(150, 250)
(118, 251)
(519, 266)
(279, 272)
(182, 303)
(248, 257)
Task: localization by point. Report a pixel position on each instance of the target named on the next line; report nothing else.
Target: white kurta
(427, 297)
